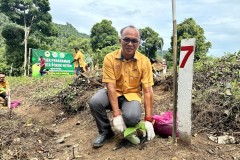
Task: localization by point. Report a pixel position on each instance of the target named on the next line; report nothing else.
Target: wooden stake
(174, 71)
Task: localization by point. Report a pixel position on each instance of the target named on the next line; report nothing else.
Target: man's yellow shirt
(129, 76)
(79, 59)
(4, 86)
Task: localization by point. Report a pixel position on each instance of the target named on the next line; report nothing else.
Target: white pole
(185, 80)
(9, 103)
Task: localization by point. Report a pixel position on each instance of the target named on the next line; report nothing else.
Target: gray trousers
(99, 103)
(78, 70)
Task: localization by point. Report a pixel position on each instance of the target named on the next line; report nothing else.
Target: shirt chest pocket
(135, 78)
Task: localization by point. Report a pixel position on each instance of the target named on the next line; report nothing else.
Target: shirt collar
(120, 56)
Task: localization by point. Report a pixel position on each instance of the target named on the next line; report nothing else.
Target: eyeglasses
(128, 40)
(2, 77)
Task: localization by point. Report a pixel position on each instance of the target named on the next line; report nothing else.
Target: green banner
(57, 63)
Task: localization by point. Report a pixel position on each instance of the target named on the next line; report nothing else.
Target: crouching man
(125, 72)
(4, 88)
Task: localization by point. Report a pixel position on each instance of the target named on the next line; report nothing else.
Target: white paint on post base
(185, 79)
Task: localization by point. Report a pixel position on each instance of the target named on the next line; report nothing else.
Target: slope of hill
(67, 30)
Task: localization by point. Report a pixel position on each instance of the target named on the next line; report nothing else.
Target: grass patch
(38, 87)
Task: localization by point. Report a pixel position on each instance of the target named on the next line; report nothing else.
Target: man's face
(129, 41)
(2, 76)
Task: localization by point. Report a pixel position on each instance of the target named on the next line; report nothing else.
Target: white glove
(118, 123)
(150, 130)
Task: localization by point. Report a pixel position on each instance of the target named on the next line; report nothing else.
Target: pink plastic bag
(15, 104)
(163, 124)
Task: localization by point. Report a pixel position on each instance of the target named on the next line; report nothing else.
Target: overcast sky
(220, 19)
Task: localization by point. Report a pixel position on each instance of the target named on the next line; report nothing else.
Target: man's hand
(73, 61)
(118, 123)
(150, 130)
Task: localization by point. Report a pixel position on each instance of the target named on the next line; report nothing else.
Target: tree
(14, 35)
(3, 64)
(190, 29)
(82, 43)
(151, 42)
(100, 54)
(103, 34)
(32, 15)
(3, 21)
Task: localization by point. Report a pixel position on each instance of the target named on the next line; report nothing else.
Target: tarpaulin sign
(57, 63)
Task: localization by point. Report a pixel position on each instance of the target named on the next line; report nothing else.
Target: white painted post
(185, 79)
(9, 103)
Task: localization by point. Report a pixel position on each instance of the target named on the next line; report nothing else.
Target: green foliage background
(103, 34)
(190, 29)
(151, 42)
(103, 39)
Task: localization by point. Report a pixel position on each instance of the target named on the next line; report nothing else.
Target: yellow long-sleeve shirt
(79, 57)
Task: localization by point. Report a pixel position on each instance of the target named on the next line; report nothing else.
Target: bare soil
(42, 132)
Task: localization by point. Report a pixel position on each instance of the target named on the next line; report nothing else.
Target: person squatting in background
(4, 88)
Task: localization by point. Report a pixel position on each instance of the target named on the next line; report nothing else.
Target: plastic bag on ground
(15, 104)
(164, 124)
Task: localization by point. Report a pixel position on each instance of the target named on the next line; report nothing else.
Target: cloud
(219, 18)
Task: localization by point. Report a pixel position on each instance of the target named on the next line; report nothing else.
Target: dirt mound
(76, 96)
(215, 110)
(165, 82)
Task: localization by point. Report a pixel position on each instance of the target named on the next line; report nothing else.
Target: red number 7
(189, 50)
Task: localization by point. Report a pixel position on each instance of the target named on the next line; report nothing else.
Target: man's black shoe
(101, 138)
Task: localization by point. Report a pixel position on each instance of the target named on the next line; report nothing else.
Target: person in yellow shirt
(78, 61)
(125, 72)
(4, 88)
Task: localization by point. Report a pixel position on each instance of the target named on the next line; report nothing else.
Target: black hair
(76, 48)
